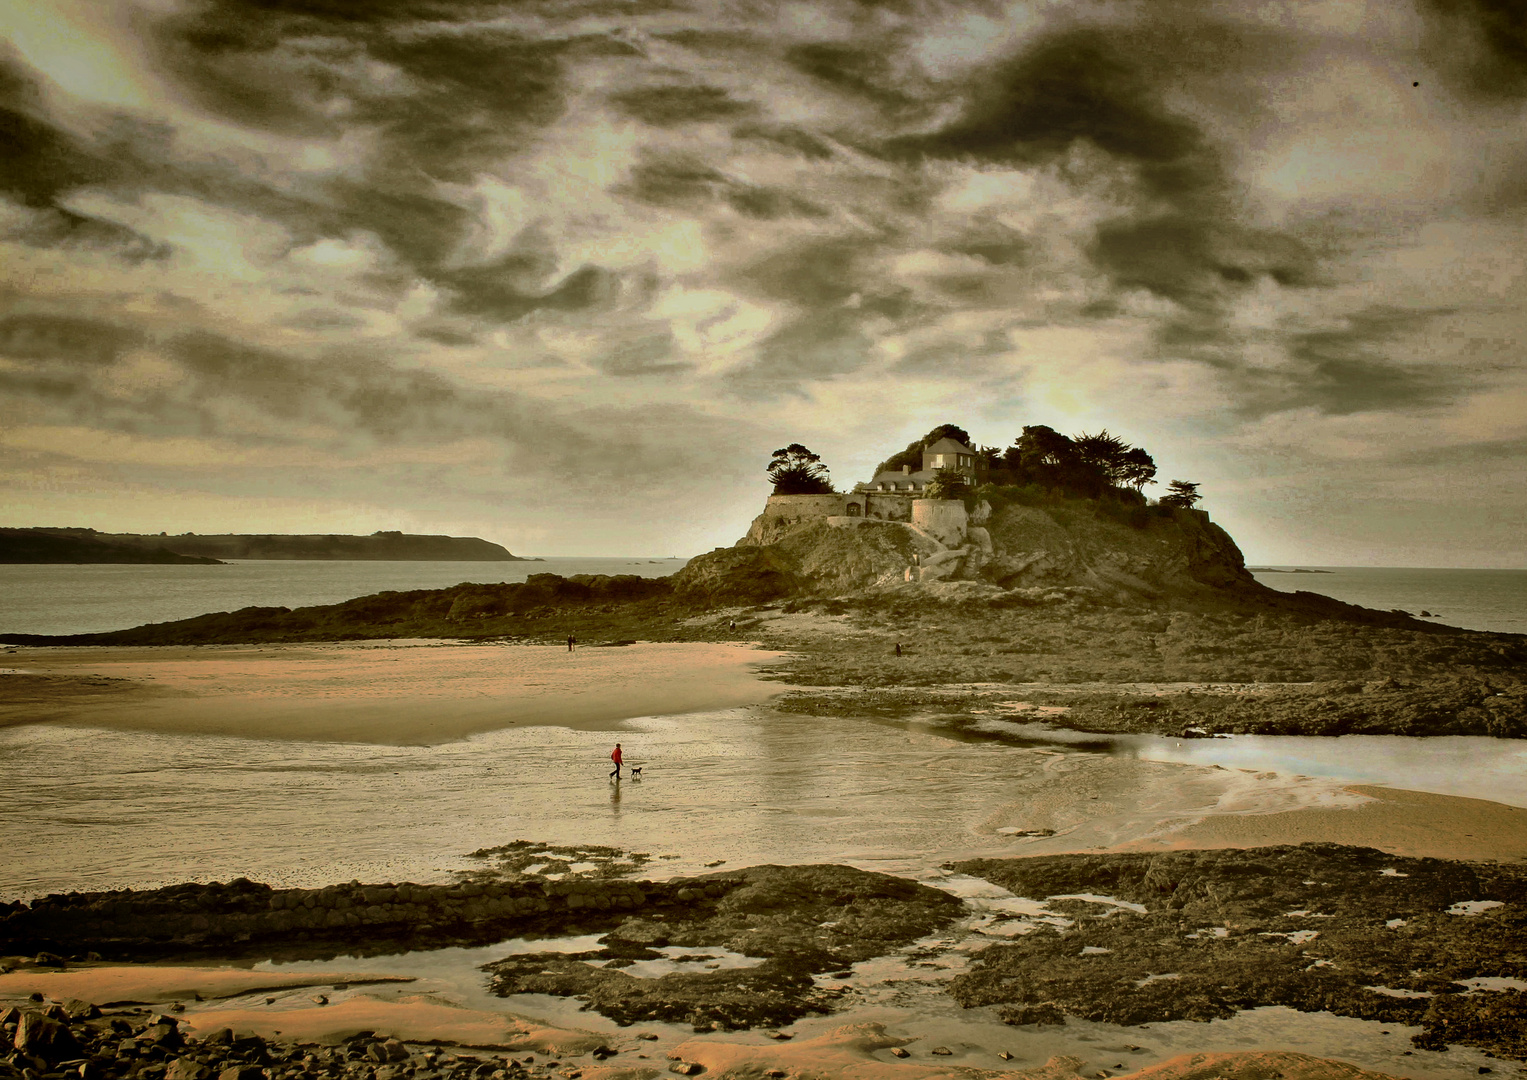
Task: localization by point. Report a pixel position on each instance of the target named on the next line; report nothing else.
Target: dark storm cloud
(835, 292)
(822, 273)
(673, 180)
(771, 203)
(39, 161)
(1103, 88)
(439, 97)
(1336, 372)
(379, 400)
(1482, 45)
(1344, 371)
(1193, 261)
(959, 360)
(59, 228)
(816, 345)
(650, 355)
(66, 367)
(53, 358)
(66, 338)
(687, 182)
(440, 103)
(785, 137)
(670, 106)
(1069, 86)
(42, 164)
(854, 69)
(504, 290)
(1486, 454)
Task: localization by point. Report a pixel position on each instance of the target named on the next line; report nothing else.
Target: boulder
(38, 1036)
(186, 1069)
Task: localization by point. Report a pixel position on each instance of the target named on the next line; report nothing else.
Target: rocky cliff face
(1069, 545)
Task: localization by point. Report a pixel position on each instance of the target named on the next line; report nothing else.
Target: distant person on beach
(898, 648)
(571, 641)
(615, 757)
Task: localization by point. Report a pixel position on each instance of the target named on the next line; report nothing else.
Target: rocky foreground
(798, 921)
(1122, 938)
(74, 1040)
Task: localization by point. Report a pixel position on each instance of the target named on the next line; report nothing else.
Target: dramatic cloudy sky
(563, 273)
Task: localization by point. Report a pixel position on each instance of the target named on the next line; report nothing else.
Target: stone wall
(888, 507)
(943, 519)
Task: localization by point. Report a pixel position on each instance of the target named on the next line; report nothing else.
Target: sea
(88, 599)
(70, 599)
(1472, 599)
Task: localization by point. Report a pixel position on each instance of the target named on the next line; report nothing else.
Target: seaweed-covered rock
(1318, 927)
(797, 920)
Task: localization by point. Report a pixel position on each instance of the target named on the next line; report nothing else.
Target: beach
(401, 693)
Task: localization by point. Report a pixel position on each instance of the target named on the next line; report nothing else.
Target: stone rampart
(803, 506)
(785, 513)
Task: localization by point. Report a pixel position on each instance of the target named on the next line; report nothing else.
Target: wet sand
(1414, 823)
(149, 983)
(400, 693)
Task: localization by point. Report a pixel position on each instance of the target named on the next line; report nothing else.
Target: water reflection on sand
(101, 809)
(1474, 767)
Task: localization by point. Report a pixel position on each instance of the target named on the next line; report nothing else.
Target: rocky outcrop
(1115, 552)
(1173, 550)
(740, 575)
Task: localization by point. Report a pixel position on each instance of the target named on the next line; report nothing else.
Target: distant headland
(74, 545)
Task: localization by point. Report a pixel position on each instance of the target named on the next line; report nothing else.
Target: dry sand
(396, 693)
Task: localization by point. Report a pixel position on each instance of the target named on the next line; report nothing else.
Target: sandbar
(404, 693)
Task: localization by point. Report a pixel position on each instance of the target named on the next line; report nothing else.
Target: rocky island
(1082, 597)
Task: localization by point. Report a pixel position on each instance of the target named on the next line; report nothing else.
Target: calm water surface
(68, 599)
(1473, 599)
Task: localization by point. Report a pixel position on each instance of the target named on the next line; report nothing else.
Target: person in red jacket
(615, 757)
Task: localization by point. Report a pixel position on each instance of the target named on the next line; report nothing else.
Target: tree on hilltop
(947, 484)
(1118, 463)
(1139, 468)
(913, 454)
(795, 470)
(1182, 494)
